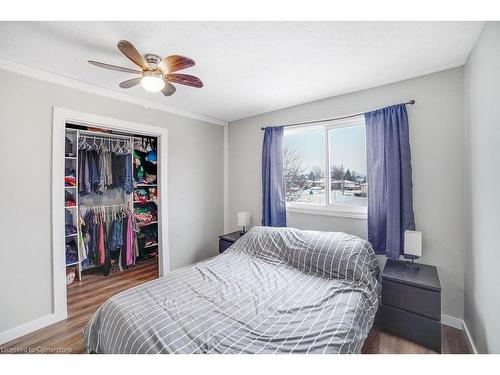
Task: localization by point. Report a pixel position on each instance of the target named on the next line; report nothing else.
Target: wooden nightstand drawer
(413, 299)
(413, 327)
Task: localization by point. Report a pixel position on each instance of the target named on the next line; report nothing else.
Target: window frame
(327, 209)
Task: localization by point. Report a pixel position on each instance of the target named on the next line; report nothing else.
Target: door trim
(62, 116)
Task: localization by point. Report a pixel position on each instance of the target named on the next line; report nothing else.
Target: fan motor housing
(152, 59)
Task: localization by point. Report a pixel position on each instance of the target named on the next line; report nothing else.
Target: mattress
(275, 290)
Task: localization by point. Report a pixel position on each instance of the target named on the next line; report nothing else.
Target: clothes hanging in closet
(104, 168)
(107, 235)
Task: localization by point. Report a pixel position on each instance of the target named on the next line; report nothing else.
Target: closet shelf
(146, 185)
(70, 157)
(71, 264)
(84, 268)
(70, 235)
(148, 201)
(69, 187)
(151, 245)
(147, 224)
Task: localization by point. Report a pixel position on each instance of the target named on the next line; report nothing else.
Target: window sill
(328, 211)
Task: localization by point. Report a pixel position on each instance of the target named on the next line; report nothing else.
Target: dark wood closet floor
(85, 298)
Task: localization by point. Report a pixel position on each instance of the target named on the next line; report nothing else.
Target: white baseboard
(451, 321)
(469, 337)
(459, 324)
(26, 328)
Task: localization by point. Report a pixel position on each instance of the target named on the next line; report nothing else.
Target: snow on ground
(346, 199)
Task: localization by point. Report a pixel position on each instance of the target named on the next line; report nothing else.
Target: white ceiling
(247, 67)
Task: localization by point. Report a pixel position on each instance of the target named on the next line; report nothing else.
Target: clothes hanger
(87, 143)
(124, 148)
(83, 143)
(99, 144)
(118, 147)
(102, 146)
(148, 145)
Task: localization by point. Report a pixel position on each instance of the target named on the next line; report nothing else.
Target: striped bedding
(276, 290)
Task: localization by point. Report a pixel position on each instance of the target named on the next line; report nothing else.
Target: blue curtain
(273, 183)
(390, 200)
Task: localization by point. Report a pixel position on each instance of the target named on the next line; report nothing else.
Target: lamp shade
(413, 243)
(152, 81)
(244, 219)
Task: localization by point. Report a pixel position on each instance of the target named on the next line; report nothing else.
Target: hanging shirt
(82, 246)
(130, 240)
(101, 245)
(127, 183)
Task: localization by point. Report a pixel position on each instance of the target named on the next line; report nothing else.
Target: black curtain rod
(329, 119)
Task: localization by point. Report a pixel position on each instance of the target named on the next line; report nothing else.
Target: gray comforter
(276, 290)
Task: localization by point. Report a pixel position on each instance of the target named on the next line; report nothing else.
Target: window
(325, 166)
(304, 165)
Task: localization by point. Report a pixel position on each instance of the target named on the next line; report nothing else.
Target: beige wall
(437, 141)
(195, 194)
(482, 276)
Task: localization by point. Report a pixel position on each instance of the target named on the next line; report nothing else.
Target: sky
(347, 147)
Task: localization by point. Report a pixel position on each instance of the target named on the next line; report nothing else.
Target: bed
(275, 290)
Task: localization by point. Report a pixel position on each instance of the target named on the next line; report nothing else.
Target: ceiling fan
(156, 74)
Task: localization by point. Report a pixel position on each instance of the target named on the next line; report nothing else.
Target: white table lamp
(244, 220)
(413, 246)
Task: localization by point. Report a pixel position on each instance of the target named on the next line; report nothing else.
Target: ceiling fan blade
(174, 63)
(130, 83)
(185, 79)
(169, 89)
(114, 67)
(129, 50)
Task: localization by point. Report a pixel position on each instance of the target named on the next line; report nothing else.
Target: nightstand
(227, 240)
(411, 303)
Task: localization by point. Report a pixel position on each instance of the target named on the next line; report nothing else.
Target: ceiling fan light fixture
(152, 81)
(155, 74)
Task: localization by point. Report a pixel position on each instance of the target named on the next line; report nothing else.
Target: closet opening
(113, 224)
(111, 200)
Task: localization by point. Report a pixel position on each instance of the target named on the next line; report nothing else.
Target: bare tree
(337, 172)
(337, 177)
(295, 174)
(317, 172)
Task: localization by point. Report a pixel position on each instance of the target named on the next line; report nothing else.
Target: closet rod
(104, 135)
(101, 206)
(328, 119)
